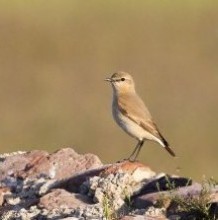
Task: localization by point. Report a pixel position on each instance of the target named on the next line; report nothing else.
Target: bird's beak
(108, 79)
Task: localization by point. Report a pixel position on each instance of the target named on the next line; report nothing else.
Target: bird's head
(122, 82)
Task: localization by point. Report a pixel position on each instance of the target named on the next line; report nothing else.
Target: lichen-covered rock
(67, 185)
(66, 163)
(61, 198)
(27, 177)
(117, 183)
(14, 163)
(37, 163)
(137, 170)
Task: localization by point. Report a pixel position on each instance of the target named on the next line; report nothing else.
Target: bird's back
(132, 106)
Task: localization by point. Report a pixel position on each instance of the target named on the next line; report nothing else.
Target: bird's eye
(122, 79)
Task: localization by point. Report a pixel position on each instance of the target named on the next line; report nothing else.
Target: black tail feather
(170, 151)
(167, 147)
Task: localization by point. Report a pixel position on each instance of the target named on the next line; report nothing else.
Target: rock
(157, 213)
(13, 164)
(67, 185)
(141, 217)
(151, 199)
(159, 187)
(165, 182)
(66, 160)
(137, 170)
(29, 176)
(167, 199)
(36, 163)
(214, 210)
(61, 198)
(214, 195)
(134, 217)
(72, 163)
(117, 183)
(71, 218)
(73, 183)
(3, 192)
(147, 214)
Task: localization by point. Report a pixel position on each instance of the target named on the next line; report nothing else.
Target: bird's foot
(132, 160)
(121, 161)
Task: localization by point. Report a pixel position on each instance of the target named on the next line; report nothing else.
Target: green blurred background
(55, 54)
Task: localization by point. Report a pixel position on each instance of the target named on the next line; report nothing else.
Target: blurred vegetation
(55, 54)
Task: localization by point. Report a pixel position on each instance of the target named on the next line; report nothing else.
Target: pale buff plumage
(132, 115)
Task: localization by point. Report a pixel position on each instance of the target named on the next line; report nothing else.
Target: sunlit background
(54, 56)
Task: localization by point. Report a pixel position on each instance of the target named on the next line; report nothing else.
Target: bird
(132, 115)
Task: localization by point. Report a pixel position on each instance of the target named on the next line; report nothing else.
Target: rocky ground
(67, 185)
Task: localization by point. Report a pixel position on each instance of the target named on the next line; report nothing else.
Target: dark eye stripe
(118, 80)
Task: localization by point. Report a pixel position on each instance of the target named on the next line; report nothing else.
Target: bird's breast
(127, 124)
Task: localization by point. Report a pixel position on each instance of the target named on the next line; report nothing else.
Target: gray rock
(36, 163)
(61, 198)
(117, 183)
(65, 185)
(13, 164)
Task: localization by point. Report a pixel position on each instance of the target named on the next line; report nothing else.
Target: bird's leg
(129, 158)
(138, 150)
(135, 149)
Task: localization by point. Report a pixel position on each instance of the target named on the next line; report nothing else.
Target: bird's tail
(167, 147)
(170, 151)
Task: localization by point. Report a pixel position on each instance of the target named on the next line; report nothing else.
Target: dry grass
(196, 207)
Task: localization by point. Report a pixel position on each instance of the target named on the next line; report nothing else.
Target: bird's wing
(133, 108)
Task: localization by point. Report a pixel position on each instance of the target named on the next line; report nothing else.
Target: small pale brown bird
(132, 115)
